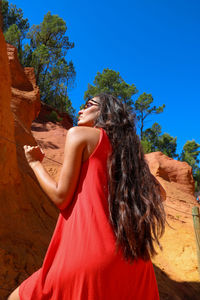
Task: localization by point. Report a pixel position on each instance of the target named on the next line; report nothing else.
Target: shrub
(53, 117)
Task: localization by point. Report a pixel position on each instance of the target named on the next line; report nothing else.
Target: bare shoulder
(83, 134)
(85, 138)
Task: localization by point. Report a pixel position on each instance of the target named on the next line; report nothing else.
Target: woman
(111, 212)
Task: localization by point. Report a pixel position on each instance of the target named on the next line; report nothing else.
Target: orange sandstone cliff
(27, 217)
(175, 176)
(177, 180)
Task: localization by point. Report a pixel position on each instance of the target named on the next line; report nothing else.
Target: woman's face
(89, 114)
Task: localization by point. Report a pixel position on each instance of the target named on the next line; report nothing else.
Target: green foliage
(13, 35)
(48, 48)
(197, 179)
(167, 145)
(1, 17)
(152, 141)
(53, 117)
(13, 15)
(150, 138)
(62, 102)
(143, 109)
(71, 111)
(190, 154)
(111, 82)
(147, 146)
(47, 54)
(14, 26)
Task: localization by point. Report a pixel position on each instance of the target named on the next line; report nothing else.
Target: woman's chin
(79, 123)
(88, 123)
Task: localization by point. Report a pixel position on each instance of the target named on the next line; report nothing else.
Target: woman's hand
(33, 154)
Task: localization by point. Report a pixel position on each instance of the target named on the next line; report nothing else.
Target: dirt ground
(176, 265)
(178, 261)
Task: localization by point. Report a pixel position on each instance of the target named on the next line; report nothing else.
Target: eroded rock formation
(45, 115)
(8, 159)
(175, 176)
(27, 217)
(25, 102)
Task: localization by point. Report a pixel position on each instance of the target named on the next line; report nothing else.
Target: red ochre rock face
(25, 103)
(46, 111)
(8, 160)
(27, 217)
(175, 176)
(18, 77)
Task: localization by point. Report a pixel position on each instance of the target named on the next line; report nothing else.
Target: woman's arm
(60, 193)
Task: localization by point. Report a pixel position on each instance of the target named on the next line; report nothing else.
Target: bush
(53, 117)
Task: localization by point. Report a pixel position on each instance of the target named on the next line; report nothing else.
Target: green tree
(152, 141)
(190, 154)
(13, 36)
(15, 26)
(167, 145)
(49, 46)
(110, 81)
(143, 109)
(150, 138)
(197, 180)
(61, 101)
(1, 16)
(47, 54)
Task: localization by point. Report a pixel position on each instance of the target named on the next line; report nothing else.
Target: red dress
(81, 262)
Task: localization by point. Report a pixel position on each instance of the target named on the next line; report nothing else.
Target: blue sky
(154, 44)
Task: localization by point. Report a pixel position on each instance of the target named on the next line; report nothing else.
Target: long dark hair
(135, 204)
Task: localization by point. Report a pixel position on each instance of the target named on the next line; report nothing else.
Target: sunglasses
(89, 104)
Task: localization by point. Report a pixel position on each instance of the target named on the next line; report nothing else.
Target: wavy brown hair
(135, 203)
